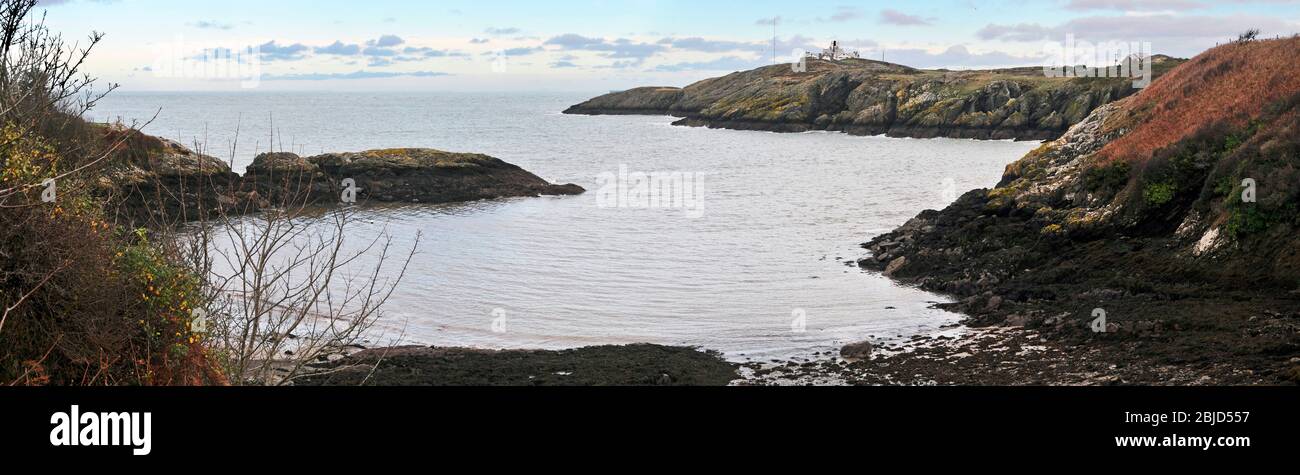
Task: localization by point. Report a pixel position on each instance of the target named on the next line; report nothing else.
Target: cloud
(1018, 32)
(959, 57)
(383, 47)
(768, 21)
(1175, 30)
(796, 42)
(211, 25)
(708, 46)
(272, 51)
(843, 14)
(428, 52)
(728, 63)
(621, 48)
(377, 51)
(353, 75)
(628, 64)
(479, 41)
(895, 17)
(1133, 5)
(575, 41)
(501, 31)
(515, 51)
(563, 64)
(338, 48)
(387, 41)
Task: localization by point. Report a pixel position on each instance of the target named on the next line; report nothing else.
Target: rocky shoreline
(895, 130)
(630, 365)
(865, 97)
(1128, 251)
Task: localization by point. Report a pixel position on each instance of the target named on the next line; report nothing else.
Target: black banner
(400, 423)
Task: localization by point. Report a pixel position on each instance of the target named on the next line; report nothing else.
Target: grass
(1231, 83)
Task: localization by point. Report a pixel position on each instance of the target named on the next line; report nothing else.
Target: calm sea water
(777, 214)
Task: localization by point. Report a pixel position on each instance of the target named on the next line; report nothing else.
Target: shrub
(82, 302)
(1159, 194)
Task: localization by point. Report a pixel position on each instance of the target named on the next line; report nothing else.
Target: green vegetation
(1159, 194)
(1108, 178)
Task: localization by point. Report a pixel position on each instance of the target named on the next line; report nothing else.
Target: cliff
(867, 97)
(1173, 213)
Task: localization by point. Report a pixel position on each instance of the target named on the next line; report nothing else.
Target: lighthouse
(836, 53)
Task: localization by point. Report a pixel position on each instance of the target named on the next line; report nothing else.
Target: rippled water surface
(779, 214)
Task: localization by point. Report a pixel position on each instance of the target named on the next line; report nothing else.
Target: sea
(740, 242)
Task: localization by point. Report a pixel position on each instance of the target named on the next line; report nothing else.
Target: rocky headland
(866, 97)
(1154, 243)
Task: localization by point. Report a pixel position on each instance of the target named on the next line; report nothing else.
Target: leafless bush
(285, 291)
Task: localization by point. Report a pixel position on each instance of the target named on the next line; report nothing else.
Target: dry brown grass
(1226, 86)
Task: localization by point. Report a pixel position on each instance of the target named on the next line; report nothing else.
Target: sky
(598, 45)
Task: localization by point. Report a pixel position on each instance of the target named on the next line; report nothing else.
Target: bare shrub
(286, 292)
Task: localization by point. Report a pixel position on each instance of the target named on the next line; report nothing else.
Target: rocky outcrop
(1161, 229)
(397, 175)
(153, 181)
(872, 98)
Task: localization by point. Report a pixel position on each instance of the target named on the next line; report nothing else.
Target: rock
(857, 351)
(895, 265)
(1057, 320)
(283, 162)
(995, 302)
(1016, 321)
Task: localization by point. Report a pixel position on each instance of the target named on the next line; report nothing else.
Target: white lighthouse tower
(836, 53)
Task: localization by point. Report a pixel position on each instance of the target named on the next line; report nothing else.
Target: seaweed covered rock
(413, 175)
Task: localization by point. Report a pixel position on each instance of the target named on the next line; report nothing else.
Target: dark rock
(857, 351)
(895, 266)
(994, 304)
